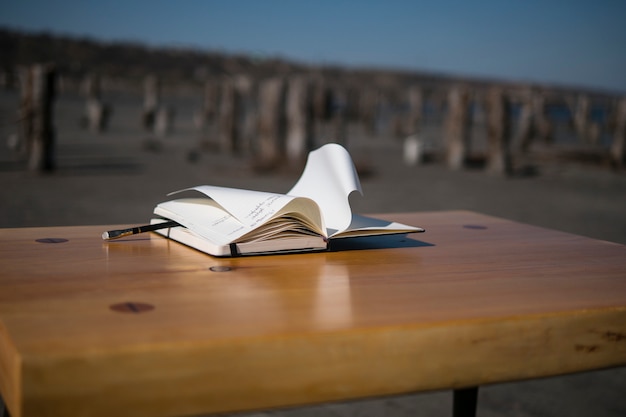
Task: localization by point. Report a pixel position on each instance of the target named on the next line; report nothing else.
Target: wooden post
(416, 107)
(339, 118)
(207, 116)
(352, 99)
(229, 111)
(456, 129)
(396, 102)
(271, 121)
(152, 93)
(25, 112)
(164, 121)
(413, 149)
(543, 126)
(209, 103)
(37, 103)
(533, 122)
(618, 145)
(524, 134)
(322, 101)
(300, 133)
(587, 131)
(96, 112)
(368, 110)
(498, 109)
(581, 117)
(246, 113)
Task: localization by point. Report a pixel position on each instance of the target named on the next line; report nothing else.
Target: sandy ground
(118, 176)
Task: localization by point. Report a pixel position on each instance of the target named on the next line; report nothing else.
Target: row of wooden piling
(279, 118)
(274, 120)
(532, 125)
(287, 112)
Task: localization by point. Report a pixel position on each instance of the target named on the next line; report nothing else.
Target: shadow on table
(376, 242)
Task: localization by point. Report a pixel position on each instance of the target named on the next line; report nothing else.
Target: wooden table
(147, 327)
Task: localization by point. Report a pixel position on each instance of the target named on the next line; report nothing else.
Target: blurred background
(514, 109)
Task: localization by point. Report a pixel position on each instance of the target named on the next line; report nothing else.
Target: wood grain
(474, 300)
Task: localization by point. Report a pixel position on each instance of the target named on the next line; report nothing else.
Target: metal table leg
(464, 402)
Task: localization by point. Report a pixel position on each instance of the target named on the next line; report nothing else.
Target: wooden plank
(10, 378)
(476, 300)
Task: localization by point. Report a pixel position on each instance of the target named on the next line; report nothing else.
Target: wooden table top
(153, 328)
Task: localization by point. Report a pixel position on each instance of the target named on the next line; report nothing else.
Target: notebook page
(328, 178)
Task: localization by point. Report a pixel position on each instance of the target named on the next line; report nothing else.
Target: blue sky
(577, 43)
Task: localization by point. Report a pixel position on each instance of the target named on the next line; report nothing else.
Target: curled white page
(251, 208)
(329, 177)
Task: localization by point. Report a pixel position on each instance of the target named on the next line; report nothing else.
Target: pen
(116, 234)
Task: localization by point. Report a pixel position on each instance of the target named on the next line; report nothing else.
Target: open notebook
(234, 222)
